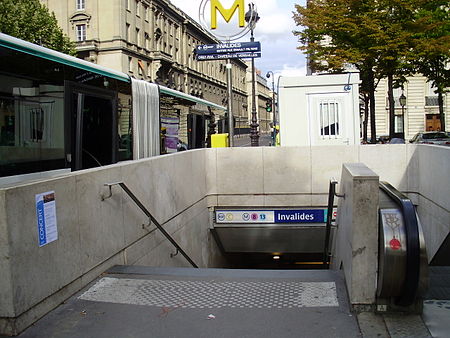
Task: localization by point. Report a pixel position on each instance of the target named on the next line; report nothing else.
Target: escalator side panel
(402, 255)
(392, 253)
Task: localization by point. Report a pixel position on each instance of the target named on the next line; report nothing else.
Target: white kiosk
(319, 110)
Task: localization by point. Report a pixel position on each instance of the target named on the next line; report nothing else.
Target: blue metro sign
(232, 50)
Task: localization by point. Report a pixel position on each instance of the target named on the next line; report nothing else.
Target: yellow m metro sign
(227, 14)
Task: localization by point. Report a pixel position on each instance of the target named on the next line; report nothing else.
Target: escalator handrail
(408, 210)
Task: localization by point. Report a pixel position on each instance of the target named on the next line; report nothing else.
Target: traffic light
(269, 105)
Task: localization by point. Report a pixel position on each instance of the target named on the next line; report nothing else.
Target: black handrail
(331, 194)
(408, 210)
(153, 219)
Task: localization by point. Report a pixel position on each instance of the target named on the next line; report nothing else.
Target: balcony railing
(431, 101)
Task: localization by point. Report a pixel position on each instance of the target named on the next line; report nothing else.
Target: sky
(274, 31)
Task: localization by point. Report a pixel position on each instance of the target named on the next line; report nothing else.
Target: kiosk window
(329, 118)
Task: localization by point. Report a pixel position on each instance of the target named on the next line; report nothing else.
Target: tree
(373, 35)
(395, 46)
(431, 34)
(31, 21)
(351, 29)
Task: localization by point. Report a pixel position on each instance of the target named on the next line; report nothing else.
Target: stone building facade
(421, 112)
(152, 40)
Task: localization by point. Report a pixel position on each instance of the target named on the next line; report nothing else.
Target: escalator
(402, 261)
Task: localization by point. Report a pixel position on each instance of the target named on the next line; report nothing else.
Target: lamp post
(270, 73)
(251, 17)
(402, 100)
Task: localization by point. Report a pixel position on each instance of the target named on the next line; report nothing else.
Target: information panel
(226, 48)
(272, 216)
(46, 217)
(235, 50)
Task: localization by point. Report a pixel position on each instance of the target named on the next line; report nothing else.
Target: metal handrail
(412, 276)
(150, 216)
(331, 195)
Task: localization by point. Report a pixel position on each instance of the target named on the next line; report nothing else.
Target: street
(265, 140)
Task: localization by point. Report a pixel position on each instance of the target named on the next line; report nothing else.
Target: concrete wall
(430, 166)
(299, 176)
(296, 176)
(95, 235)
(178, 189)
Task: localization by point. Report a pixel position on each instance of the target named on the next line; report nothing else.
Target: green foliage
(31, 21)
(431, 34)
(369, 33)
(382, 38)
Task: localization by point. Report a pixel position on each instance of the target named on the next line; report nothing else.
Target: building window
(431, 98)
(146, 13)
(399, 122)
(130, 64)
(80, 5)
(128, 32)
(138, 37)
(81, 32)
(329, 118)
(147, 41)
(140, 67)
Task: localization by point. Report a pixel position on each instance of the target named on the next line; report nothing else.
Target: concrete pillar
(356, 242)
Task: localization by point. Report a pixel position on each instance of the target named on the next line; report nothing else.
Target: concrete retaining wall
(94, 235)
(431, 186)
(299, 176)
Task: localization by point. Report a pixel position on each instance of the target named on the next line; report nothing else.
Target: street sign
(227, 56)
(234, 50)
(229, 48)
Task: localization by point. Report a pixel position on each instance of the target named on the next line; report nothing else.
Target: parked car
(397, 140)
(432, 137)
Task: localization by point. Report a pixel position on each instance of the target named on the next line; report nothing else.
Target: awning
(181, 95)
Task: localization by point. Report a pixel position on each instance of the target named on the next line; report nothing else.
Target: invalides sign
(225, 19)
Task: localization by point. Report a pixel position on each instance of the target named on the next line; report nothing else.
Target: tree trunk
(441, 110)
(366, 117)
(371, 86)
(391, 106)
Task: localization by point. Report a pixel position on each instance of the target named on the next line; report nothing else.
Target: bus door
(92, 125)
(196, 131)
